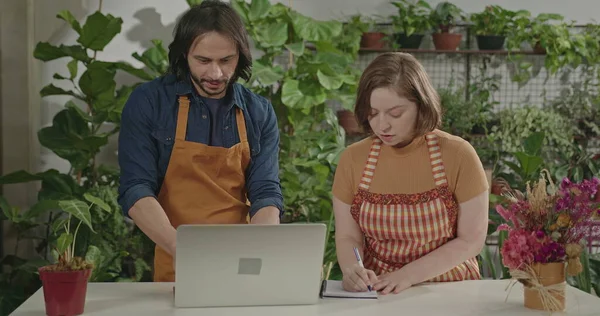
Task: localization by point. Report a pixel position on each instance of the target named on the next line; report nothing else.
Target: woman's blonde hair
(405, 74)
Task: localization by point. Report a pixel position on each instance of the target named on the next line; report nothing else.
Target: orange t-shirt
(408, 170)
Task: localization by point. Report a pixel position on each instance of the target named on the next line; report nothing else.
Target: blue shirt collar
(185, 87)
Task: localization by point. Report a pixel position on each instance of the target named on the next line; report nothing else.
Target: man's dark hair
(209, 16)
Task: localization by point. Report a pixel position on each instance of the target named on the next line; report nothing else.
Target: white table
(485, 297)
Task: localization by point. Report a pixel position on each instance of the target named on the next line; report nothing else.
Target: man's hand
(394, 282)
(266, 215)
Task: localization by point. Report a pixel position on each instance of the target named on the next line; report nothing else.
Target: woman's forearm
(440, 260)
(345, 251)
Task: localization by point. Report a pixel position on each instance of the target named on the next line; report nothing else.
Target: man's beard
(199, 82)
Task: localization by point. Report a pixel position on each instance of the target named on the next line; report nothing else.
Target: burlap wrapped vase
(545, 287)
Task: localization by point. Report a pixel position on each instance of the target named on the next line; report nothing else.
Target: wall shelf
(458, 51)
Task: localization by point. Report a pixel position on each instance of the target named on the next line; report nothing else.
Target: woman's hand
(393, 282)
(358, 279)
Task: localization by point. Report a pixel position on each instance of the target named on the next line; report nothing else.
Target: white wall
(149, 19)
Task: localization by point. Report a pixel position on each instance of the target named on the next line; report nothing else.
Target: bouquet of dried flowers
(547, 224)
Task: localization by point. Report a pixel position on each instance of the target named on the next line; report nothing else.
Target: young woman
(411, 198)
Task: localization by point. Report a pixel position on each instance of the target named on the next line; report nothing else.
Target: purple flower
(546, 249)
(540, 258)
(540, 234)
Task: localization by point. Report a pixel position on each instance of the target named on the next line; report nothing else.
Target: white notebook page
(333, 288)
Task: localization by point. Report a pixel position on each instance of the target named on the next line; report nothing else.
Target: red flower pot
(446, 41)
(373, 40)
(64, 291)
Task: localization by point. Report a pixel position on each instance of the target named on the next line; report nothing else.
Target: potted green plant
(65, 282)
(445, 16)
(373, 36)
(411, 23)
(538, 32)
(543, 32)
(493, 25)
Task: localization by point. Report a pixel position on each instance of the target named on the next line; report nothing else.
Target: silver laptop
(248, 264)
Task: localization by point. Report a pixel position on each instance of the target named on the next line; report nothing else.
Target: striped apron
(401, 228)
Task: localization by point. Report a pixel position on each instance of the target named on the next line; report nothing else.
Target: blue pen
(360, 263)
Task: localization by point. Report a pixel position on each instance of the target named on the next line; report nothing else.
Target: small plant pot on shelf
(410, 42)
(64, 291)
(446, 41)
(373, 40)
(490, 42)
(539, 49)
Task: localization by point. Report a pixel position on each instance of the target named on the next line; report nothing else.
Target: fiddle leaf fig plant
(74, 203)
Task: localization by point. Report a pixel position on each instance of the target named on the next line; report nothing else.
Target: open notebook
(334, 289)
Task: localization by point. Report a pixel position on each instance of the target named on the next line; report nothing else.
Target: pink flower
(518, 249)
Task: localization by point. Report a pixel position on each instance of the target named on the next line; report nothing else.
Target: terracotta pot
(548, 274)
(348, 121)
(446, 41)
(373, 40)
(64, 291)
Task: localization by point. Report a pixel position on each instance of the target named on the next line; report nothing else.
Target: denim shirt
(147, 136)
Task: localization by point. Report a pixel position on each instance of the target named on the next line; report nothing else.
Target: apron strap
(182, 117)
(369, 170)
(435, 158)
(241, 125)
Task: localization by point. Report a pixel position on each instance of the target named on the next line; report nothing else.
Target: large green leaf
(302, 94)
(51, 89)
(242, 8)
(272, 34)
(93, 255)
(44, 51)
(69, 18)
(330, 82)
(296, 48)
(70, 138)
(258, 9)
(60, 144)
(313, 30)
(97, 201)
(82, 114)
(79, 209)
(155, 58)
(40, 208)
(59, 186)
(140, 73)
(97, 79)
(72, 66)
(64, 241)
(99, 30)
(338, 62)
(529, 164)
(266, 75)
(533, 143)
(24, 176)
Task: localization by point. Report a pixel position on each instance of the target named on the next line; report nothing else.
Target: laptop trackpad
(250, 266)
